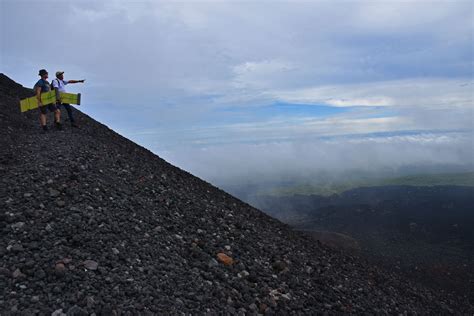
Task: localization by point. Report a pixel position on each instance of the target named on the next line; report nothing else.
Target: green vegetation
(329, 188)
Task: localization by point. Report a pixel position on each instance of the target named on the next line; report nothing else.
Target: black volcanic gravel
(92, 223)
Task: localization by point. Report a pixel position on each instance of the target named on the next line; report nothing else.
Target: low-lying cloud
(237, 162)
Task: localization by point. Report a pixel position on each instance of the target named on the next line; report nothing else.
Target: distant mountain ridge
(338, 187)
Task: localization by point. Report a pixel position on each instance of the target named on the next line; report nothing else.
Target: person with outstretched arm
(40, 87)
(60, 84)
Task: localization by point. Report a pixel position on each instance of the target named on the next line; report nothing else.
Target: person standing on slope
(40, 87)
(60, 84)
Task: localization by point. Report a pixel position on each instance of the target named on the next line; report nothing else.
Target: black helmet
(42, 72)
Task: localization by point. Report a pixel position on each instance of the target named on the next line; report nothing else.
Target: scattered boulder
(60, 269)
(279, 265)
(17, 274)
(5, 272)
(225, 259)
(243, 274)
(58, 312)
(18, 225)
(77, 311)
(53, 193)
(90, 264)
(16, 247)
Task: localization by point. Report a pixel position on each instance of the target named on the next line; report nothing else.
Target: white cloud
(423, 92)
(222, 163)
(260, 75)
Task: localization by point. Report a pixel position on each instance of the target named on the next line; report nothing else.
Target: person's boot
(45, 128)
(73, 124)
(59, 126)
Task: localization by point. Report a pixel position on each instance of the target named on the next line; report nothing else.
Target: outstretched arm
(76, 81)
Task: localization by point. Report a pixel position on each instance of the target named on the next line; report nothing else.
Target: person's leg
(43, 117)
(57, 117)
(69, 112)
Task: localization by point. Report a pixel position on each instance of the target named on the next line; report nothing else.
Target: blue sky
(230, 87)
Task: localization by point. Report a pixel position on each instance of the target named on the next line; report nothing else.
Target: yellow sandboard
(49, 98)
(70, 98)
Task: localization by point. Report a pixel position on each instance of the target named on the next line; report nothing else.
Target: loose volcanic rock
(225, 259)
(279, 265)
(54, 193)
(93, 224)
(90, 264)
(17, 274)
(4, 272)
(60, 269)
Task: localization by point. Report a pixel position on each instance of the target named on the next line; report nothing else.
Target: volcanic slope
(92, 223)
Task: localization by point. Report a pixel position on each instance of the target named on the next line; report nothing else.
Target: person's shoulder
(39, 83)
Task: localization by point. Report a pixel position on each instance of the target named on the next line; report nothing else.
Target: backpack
(56, 90)
(52, 86)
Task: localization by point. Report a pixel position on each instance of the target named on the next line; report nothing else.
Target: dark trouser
(69, 111)
(51, 107)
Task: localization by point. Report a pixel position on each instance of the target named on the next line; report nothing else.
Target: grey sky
(171, 75)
